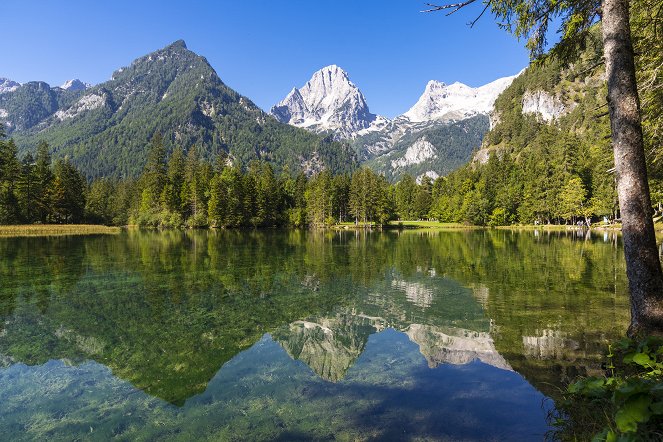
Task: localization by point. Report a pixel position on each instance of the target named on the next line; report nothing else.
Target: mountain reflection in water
(217, 334)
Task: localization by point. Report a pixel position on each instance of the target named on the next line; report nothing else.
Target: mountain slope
(175, 92)
(434, 149)
(329, 101)
(23, 106)
(437, 135)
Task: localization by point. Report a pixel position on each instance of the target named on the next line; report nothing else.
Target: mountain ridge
(105, 129)
(329, 101)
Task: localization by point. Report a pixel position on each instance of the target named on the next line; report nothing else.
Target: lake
(295, 335)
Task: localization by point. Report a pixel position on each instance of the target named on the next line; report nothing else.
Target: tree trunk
(642, 262)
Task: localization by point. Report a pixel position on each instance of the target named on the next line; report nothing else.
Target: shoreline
(35, 230)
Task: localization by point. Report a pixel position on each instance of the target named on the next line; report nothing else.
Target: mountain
(105, 129)
(24, 106)
(456, 101)
(75, 85)
(436, 136)
(433, 148)
(7, 85)
(328, 102)
(550, 139)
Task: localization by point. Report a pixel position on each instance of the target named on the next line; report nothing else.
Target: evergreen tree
(319, 199)
(68, 197)
(405, 195)
(172, 192)
(154, 177)
(340, 196)
(25, 190)
(99, 205)
(572, 199)
(10, 172)
(43, 182)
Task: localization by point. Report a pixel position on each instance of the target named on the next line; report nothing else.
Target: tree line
(35, 190)
(184, 190)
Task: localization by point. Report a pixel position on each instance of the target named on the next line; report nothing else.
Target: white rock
(417, 153)
(415, 292)
(86, 103)
(545, 106)
(430, 174)
(4, 113)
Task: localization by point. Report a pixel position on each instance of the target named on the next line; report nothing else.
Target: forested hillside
(105, 130)
(548, 158)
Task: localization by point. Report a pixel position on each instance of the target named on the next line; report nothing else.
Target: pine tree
(43, 180)
(154, 177)
(172, 192)
(10, 171)
(25, 190)
(68, 197)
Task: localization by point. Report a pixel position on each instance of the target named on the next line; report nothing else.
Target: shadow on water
(375, 335)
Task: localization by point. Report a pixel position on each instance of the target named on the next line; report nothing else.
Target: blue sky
(263, 48)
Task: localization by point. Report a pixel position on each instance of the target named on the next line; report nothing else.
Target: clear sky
(262, 48)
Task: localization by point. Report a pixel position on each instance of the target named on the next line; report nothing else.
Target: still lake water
(417, 335)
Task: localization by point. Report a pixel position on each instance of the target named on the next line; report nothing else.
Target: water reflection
(240, 329)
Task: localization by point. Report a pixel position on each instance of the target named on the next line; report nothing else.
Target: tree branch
(473, 22)
(453, 6)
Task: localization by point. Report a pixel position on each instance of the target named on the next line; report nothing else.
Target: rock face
(75, 85)
(417, 153)
(424, 140)
(434, 148)
(545, 106)
(329, 101)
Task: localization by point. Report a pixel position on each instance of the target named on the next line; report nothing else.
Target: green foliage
(630, 395)
(370, 198)
(537, 171)
(68, 195)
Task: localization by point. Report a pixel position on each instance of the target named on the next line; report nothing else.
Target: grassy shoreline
(56, 230)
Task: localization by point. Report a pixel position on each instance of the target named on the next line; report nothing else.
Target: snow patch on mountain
(329, 101)
(456, 101)
(420, 151)
(86, 103)
(75, 85)
(545, 106)
(7, 85)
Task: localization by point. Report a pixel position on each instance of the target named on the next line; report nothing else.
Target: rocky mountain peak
(177, 44)
(74, 85)
(329, 101)
(7, 85)
(456, 101)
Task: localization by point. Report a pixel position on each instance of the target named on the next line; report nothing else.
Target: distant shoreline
(26, 230)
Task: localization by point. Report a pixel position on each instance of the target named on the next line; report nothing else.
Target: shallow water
(417, 335)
